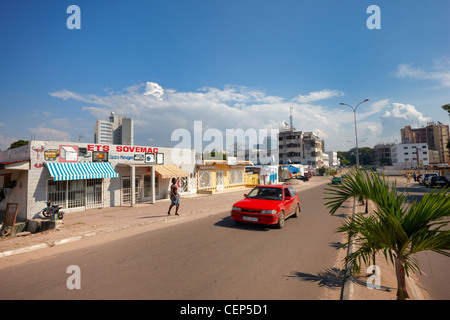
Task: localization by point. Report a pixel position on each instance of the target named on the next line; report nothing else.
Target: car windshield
(266, 193)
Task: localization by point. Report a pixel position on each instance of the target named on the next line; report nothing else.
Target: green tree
(18, 143)
(342, 159)
(446, 107)
(397, 228)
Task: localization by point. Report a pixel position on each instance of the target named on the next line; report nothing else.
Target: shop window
(76, 192)
(236, 177)
(56, 193)
(204, 180)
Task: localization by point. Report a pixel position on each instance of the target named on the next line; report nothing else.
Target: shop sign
(120, 148)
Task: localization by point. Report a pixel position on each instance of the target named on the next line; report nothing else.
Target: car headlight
(269, 211)
(236, 209)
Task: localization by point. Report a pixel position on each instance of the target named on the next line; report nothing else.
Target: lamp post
(356, 131)
(350, 249)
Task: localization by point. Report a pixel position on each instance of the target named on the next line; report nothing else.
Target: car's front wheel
(281, 220)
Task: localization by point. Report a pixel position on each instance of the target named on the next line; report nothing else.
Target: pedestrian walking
(174, 197)
(415, 176)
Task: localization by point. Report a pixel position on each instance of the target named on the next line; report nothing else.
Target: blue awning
(81, 171)
(293, 169)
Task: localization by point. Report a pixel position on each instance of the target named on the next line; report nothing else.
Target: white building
(333, 159)
(118, 130)
(410, 155)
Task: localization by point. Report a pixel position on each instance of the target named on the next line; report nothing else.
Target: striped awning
(81, 171)
(170, 171)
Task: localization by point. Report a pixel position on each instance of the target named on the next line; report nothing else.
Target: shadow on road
(330, 278)
(227, 222)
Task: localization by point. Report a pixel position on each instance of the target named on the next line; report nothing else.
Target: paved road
(207, 258)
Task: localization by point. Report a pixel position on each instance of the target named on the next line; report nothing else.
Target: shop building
(220, 175)
(80, 176)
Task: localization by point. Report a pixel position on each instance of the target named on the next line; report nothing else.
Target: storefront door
(148, 187)
(126, 190)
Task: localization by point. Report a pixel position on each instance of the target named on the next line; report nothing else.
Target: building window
(236, 177)
(56, 193)
(204, 180)
(76, 193)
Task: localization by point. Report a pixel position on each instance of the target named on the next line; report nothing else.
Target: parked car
(424, 177)
(303, 178)
(267, 204)
(439, 181)
(338, 180)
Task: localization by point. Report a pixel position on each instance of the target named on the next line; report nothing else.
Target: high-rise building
(436, 136)
(118, 130)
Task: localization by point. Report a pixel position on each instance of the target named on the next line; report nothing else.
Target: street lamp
(356, 131)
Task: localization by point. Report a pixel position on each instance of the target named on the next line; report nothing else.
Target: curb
(43, 245)
(50, 244)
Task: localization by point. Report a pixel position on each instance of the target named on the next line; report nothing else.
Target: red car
(269, 205)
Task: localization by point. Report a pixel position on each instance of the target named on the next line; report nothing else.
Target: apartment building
(298, 147)
(435, 135)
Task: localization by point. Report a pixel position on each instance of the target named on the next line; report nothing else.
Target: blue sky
(228, 63)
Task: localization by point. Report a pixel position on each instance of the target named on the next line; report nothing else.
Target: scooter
(52, 211)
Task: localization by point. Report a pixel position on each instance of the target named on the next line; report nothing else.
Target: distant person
(174, 197)
(415, 176)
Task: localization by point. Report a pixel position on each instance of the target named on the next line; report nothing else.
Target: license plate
(250, 219)
(440, 181)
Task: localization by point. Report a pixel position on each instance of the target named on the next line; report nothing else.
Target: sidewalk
(78, 225)
(92, 222)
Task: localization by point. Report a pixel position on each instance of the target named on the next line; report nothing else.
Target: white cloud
(405, 112)
(5, 142)
(157, 114)
(398, 116)
(439, 71)
(153, 89)
(318, 95)
(42, 133)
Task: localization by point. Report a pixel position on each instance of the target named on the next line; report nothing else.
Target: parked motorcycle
(52, 212)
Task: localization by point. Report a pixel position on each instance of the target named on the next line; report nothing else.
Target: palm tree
(396, 228)
(368, 247)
